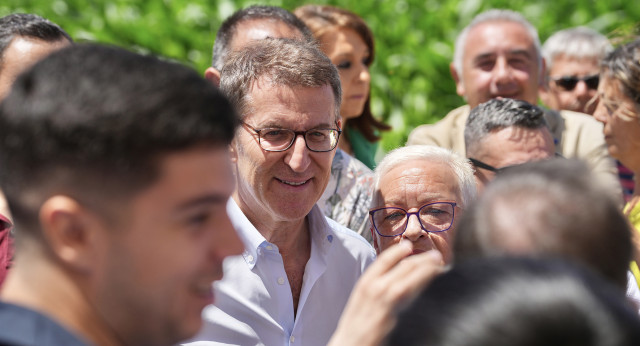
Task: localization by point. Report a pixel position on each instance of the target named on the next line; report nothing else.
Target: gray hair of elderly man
(494, 15)
(497, 114)
(413, 153)
(575, 43)
(279, 61)
(551, 208)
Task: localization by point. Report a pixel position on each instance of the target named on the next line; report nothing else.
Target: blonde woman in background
(619, 111)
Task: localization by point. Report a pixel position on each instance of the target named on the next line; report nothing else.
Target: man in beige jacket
(498, 55)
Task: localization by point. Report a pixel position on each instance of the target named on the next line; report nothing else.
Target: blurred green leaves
(411, 83)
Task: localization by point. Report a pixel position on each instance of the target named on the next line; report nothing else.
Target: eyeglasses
(278, 139)
(568, 83)
(393, 221)
(488, 167)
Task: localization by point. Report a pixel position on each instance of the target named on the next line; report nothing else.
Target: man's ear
(543, 72)
(213, 75)
(71, 232)
(233, 152)
(457, 78)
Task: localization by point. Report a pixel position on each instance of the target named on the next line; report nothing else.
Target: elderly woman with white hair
(431, 183)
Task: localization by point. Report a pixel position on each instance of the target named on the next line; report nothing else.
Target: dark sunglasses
(569, 83)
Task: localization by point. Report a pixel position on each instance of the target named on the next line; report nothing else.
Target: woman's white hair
(413, 153)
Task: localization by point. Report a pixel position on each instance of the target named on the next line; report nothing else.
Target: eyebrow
(278, 126)
(521, 52)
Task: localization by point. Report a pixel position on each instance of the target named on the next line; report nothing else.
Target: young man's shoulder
(25, 327)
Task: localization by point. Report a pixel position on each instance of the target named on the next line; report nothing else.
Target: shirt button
(269, 247)
(281, 280)
(292, 338)
(250, 258)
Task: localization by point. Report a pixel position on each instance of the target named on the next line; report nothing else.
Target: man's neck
(288, 235)
(42, 285)
(293, 239)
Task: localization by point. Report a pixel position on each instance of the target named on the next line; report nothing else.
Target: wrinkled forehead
(496, 36)
(283, 103)
(422, 176)
(258, 29)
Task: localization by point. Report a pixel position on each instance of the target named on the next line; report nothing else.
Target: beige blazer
(577, 135)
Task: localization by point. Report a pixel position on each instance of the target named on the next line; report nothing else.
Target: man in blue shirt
(116, 169)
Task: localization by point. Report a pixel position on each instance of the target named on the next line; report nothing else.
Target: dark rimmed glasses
(569, 83)
(279, 139)
(433, 217)
(488, 167)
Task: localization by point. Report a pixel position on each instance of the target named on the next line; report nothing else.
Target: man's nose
(297, 156)
(581, 89)
(502, 70)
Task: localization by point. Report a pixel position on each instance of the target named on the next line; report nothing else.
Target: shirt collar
(321, 233)
(249, 235)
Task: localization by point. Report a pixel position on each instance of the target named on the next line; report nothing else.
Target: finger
(411, 275)
(389, 259)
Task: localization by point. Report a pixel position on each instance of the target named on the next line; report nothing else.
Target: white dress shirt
(253, 302)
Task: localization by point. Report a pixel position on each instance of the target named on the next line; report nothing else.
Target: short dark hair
(561, 211)
(518, 301)
(93, 122)
(31, 26)
(497, 114)
(227, 30)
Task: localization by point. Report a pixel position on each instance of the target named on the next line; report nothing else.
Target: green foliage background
(411, 84)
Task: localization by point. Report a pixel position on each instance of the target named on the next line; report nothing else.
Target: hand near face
(391, 282)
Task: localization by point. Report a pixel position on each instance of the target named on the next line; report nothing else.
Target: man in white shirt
(298, 269)
(348, 194)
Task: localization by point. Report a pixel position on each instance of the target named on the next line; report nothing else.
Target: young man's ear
(72, 232)
(213, 75)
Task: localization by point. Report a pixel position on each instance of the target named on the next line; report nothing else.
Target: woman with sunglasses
(619, 111)
(347, 40)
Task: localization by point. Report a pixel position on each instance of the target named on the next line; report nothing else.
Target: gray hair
(623, 65)
(458, 164)
(281, 61)
(497, 114)
(494, 15)
(548, 208)
(228, 29)
(576, 43)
